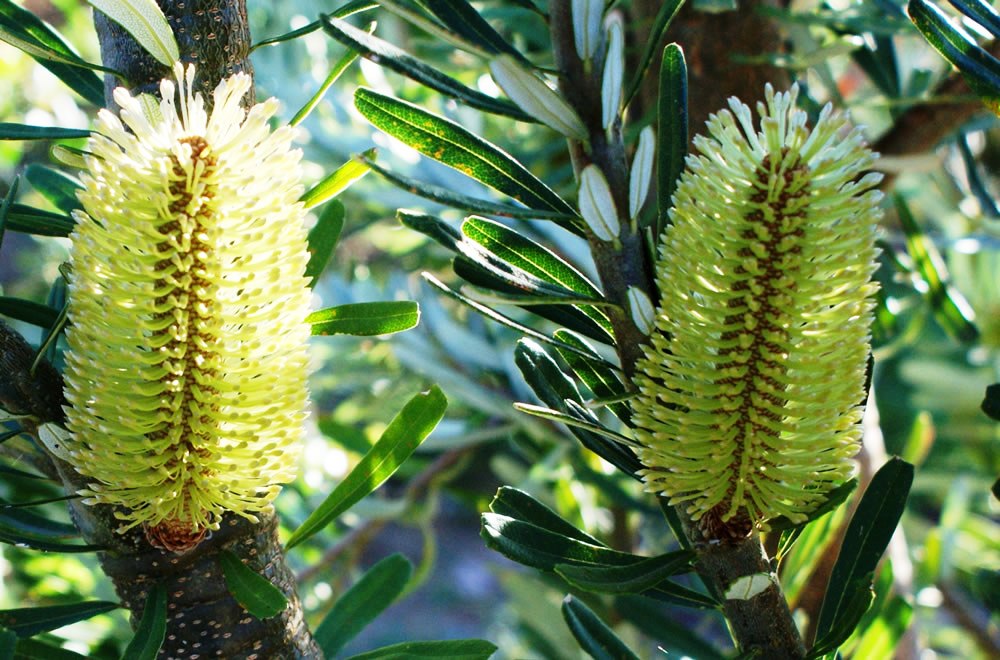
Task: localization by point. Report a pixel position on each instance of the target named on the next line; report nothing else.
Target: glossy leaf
(389, 56)
(517, 504)
(671, 132)
(252, 590)
(451, 649)
(981, 13)
(323, 239)
(403, 435)
(366, 599)
(31, 526)
(145, 21)
(365, 319)
(336, 182)
(57, 187)
(25, 31)
(36, 649)
(447, 142)
(35, 221)
(991, 402)
(28, 311)
(852, 609)
(594, 636)
(10, 131)
(664, 17)
(152, 627)
(633, 579)
(577, 417)
(867, 536)
(601, 377)
(461, 17)
(30, 621)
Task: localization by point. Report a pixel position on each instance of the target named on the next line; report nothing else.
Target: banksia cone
(751, 386)
(186, 368)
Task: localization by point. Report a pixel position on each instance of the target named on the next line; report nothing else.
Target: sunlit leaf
(345, 10)
(337, 182)
(461, 17)
(365, 319)
(346, 60)
(251, 589)
(29, 621)
(145, 21)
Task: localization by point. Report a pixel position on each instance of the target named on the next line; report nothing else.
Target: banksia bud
(186, 368)
(750, 389)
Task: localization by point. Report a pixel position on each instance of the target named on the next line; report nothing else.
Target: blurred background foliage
(931, 367)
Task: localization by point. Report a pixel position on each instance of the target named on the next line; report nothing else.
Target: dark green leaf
(668, 10)
(391, 57)
(403, 435)
(880, 63)
(593, 635)
(859, 598)
(33, 527)
(28, 311)
(671, 633)
(991, 402)
(8, 201)
(672, 132)
(632, 579)
(25, 31)
(981, 13)
(323, 239)
(461, 17)
(452, 649)
(950, 308)
(520, 505)
(866, 538)
(371, 594)
(57, 187)
(251, 589)
(365, 319)
(449, 143)
(29, 621)
(14, 472)
(36, 649)
(8, 642)
(35, 221)
(600, 376)
(337, 182)
(26, 132)
(152, 627)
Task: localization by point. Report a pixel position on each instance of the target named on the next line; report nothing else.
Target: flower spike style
(751, 386)
(187, 361)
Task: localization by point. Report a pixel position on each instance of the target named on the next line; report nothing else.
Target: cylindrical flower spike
(750, 389)
(187, 361)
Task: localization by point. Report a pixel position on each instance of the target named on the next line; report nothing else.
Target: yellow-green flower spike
(751, 386)
(187, 361)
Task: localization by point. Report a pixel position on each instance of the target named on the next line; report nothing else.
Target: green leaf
(36, 649)
(35, 221)
(662, 21)
(461, 17)
(25, 31)
(867, 536)
(365, 319)
(26, 132)
(991, 402)
(346, 60)
(5, 206)
(520, 505)
(8, 642)
(859, 599)
(152, 627)
(576, 417)
(449, 143)
(452, 649)
(323, 239)
(389, 56)
(28, 311)
(345, 10)
(337, 182)
(834, 498)
(403, 435)
(633, 579)
(950, 308)
(593, 635)
(671, 133)
(31, 526)
(980, 69)
(57, 187)
(29, 621)
(144, 20)
(370, 596)
(672, 634)
(600, 376)
(250, 589)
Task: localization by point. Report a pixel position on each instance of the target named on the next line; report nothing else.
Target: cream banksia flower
(751, 386)
(186, 368)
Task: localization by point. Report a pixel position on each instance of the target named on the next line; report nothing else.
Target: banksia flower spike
(186, 368)
(751, 386)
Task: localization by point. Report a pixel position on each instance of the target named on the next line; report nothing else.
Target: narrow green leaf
(144, 20)
(152, 628)
(28, 311)
(29, 621)
(950, 307)
(673, 634)
(859, 598)
(345, 10)
(251, 589)
(36, 649)
(600, 376)
(461, 17)
(57, 187)
(452, 649)
(323, 239)
(867, 536)
(33, 527)
(449, 143)
(520, 505)
(633, 579)
(19, 474)
(594, 636)
(403, 435)
(370, 596)
(346, 60)
(991, 401)
(671, 133)
(26, 132)
(389, 56)
(35, 221)
(5, 206)
(662, 21)
(337, 182)
(25, 31)
(365, 319)
(576, 419)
